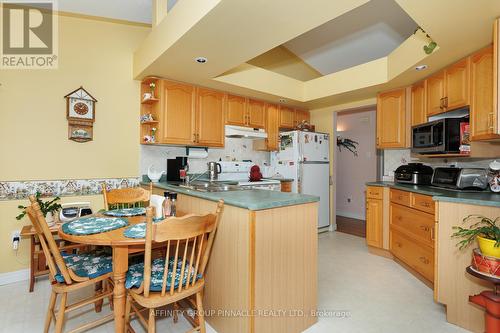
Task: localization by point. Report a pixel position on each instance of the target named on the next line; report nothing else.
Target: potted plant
(48, 208)
(485, 230)
(152, 86)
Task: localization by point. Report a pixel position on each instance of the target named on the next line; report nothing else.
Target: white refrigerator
(304, 157)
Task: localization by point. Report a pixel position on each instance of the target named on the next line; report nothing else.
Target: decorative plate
(126, 212)
(138, 230)
(93, 225)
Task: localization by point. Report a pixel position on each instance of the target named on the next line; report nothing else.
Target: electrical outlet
(349, 199)
(16, 237)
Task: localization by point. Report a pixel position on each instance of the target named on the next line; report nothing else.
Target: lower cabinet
(412, 231)
(374, 216)
(412, 253)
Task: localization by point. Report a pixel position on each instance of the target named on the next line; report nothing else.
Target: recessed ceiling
(369, 32)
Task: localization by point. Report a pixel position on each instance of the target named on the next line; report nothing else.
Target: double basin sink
(207, 186)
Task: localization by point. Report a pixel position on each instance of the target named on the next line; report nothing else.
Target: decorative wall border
(16, 190)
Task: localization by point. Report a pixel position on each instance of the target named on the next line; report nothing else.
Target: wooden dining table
(122, 246)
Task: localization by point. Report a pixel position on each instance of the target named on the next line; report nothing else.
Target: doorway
(354, 165)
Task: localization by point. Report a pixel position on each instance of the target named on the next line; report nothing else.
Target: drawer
(400, 197)
(419, 257)
(417, 224)
(423, 203)
(375, 192)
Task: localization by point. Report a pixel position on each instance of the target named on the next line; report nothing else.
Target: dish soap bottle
(167, 205)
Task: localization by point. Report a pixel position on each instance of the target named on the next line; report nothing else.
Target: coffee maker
(174, 166)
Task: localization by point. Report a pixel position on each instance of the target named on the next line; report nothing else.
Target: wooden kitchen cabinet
(256, 114)
(300, 116)
(457, 85)
(412, 231)
(374, 216)
(178, 119)
(286, 117)
(245, 112)
(391, 119)
(209, 129)
(271, 143)
(418, 105)
(435, 92)
(236, 110)
(483, 117)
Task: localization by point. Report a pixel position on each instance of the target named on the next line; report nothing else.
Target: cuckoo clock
(80, 112)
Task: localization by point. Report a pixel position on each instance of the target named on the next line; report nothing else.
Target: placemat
(138, 230)
(126, 212)
(93, 225)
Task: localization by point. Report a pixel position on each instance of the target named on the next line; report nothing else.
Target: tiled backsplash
(235, 149)
(396, 157)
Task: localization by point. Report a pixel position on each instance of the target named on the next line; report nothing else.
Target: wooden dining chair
(179, 274)
(69, 273)
(126, 197)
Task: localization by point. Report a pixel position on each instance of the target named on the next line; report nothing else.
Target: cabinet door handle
(433, 236)
(490, 121)
(446, 102)
(424, 260)
(398, 244)
(399, 218)
(425, 204)
(194, 137)
(424, 228)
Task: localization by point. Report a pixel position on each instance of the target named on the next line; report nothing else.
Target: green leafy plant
(46, 207)
(484, 227)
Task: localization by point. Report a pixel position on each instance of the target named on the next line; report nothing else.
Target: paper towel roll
(157, 202)
(197, 153)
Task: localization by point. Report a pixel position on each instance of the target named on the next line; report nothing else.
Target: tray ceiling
(366, 33)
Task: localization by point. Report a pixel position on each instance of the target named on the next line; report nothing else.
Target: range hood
(245, 132)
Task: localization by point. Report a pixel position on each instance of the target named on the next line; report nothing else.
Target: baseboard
(16, 276)
(351, 215)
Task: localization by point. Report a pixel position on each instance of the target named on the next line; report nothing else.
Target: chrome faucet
(188, 179)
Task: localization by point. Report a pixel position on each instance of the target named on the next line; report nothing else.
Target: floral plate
(126, 212)
(93, 225)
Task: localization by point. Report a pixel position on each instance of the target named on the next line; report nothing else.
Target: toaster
(460, 178)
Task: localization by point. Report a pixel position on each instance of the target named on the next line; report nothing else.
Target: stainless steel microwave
(437, 137)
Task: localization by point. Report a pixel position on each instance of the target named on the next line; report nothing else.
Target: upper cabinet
(272, 128)
(256, 117)
(418, 104)
(301, 115)
(209, 131)
(236, 111)
(457, 85)
(449, 89)
(184, 115)
(391, 119)
(242, 111)
(435, 93)
(286, 117)
(178, 118)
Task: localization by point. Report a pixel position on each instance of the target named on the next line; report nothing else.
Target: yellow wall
(34, 141)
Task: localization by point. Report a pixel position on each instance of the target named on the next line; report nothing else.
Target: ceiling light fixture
(201, 60)
(421, 67)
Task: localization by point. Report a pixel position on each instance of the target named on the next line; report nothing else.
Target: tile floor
(378, 295)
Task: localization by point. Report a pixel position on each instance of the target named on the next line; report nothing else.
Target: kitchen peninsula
(262, 274)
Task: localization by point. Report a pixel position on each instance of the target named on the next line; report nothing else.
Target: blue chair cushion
(86, 265)
(135, 274)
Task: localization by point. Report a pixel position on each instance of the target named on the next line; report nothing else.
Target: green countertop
(485, 198)
(248, 199)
